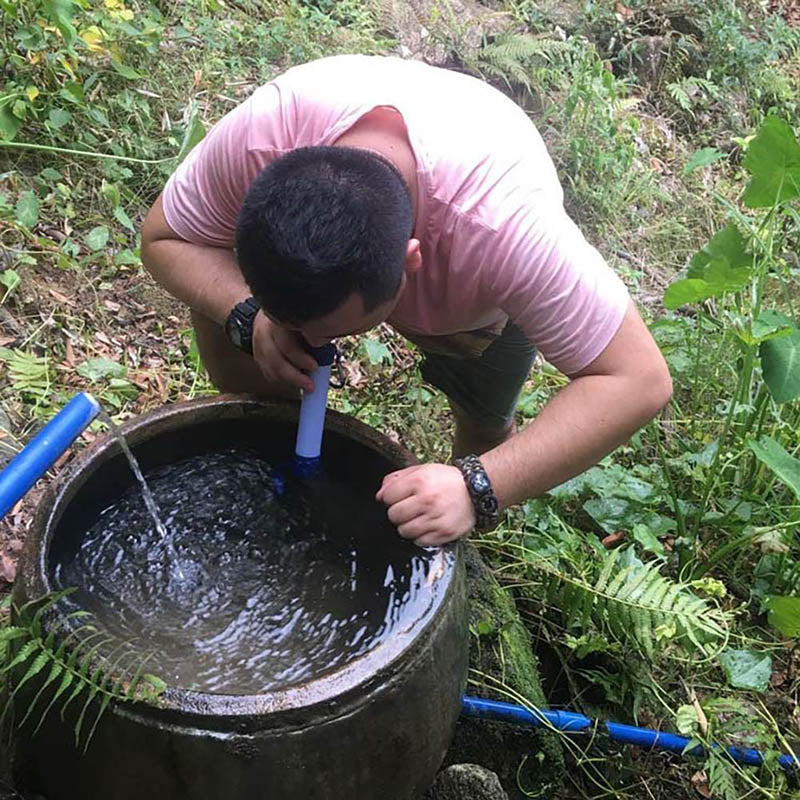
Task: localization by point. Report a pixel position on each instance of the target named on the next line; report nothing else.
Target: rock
(466, 782)
(501, 657)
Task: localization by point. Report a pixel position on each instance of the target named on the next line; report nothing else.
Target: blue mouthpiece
(324, 354)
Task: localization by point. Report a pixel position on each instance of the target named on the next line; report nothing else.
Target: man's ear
(413, 256)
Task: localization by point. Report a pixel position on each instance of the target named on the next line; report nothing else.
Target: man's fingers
(405, 511)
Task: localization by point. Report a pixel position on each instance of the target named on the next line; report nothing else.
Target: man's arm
(207, 279)
(621, 390)
(601, 407)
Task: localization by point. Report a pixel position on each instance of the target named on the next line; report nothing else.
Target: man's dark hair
(319, 224)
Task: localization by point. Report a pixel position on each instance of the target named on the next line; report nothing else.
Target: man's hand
(281, 355)
(428, 503)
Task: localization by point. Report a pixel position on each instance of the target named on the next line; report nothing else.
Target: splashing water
(147, 496)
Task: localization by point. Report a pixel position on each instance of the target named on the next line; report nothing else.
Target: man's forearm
(584, 422)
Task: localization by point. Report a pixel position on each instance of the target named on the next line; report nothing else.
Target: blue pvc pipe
(571, 722)
(44, 449)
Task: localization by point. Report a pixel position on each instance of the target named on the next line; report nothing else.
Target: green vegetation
(661, 587)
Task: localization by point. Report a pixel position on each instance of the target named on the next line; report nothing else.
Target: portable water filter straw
(311, 424)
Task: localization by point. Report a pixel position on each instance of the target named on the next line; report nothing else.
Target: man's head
(320, 225)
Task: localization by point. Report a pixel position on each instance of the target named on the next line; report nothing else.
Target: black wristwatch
(239, 324)
(487, 513)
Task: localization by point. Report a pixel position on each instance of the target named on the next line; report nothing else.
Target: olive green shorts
(486, 387)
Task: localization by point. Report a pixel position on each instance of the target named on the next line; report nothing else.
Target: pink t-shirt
(496, 242)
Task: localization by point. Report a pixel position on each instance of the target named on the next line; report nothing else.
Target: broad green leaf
(645, 537)
(125, 70)
(27, 209)
(96, 369)
(377, 352)
(195, 131)
(58, 117)
(773, 160)
(97, 237)
(9, 124)
(784, 615)
(685, 291)
(61, 12)
(786, 467)
(10, 279)
(51, 175)
(121, 216)
(722, 266)
(73, 92)
(770, 325)
(686, 719)
(702, 158)
(780, 363)
(127, 256)
(746, 669)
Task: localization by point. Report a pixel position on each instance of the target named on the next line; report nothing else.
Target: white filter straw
(312, 415)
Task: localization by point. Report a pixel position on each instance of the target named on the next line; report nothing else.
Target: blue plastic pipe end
(44, 449)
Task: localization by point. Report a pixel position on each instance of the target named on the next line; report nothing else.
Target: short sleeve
(552, 283)
(203, 196)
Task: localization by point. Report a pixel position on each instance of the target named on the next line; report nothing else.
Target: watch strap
(479, 487)
(239, 324)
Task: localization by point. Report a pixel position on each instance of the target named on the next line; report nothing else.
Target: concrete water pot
(376, 728)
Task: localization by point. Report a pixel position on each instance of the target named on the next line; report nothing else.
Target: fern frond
(84, 663)
(518, 57)
(635, 604)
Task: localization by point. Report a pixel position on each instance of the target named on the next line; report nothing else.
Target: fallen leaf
(8, 569)
(700, 783)
(613, 539)
(69, 354)
(111, 305)
(60, 298)
(623, 11)
(14, 546)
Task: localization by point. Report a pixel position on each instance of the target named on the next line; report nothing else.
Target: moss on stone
(501, 656)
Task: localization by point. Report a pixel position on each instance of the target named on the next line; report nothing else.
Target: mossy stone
(501, 657)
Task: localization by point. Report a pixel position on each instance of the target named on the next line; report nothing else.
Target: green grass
(101, 102)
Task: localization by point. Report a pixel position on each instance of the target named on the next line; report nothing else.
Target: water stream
(147, 495)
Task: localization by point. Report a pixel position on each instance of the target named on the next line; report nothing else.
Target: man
(357, 189)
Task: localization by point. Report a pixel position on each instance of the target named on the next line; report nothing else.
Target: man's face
(350, 318)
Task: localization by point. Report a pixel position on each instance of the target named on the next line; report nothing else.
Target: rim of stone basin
(332, 688)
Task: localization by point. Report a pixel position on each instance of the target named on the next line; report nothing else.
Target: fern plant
(73, 662)
(523, 59)
(632, 603)
(686, 90)
(30, 375)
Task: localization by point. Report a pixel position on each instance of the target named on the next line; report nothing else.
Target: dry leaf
(613, 539)
(69, 353)
(700, 783)
(8, 569)
(60, 298)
